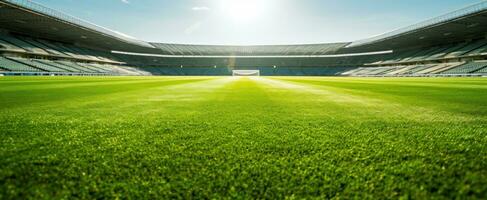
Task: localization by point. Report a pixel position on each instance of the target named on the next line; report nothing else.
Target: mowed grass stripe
(438, 96)
(87, 82)
(400, 81)
(350, 105)
(243, 138)
(101, 106)
(16, 96)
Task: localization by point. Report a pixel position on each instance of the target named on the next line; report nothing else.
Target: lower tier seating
(13, 66)
(445, 69)
(39, 65)
(467, 68)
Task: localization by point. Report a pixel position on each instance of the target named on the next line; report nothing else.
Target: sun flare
(244, 10)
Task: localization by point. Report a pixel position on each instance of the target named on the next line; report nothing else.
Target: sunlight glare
(244, 10)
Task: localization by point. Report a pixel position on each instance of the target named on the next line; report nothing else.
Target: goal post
(246, 73)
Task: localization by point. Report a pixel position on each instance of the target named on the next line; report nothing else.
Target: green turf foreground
(241, 138)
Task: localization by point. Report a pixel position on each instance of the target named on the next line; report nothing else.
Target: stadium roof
(27, 17)
(263, 50)
(447, 18)
(464, 24)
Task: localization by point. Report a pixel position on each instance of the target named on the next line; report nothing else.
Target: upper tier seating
(449, 50)
(23, 44)
(8, 46)
(466, 49)
(469, 49)
(479, 51)
(43, 46)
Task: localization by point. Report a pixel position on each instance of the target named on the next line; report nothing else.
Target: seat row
(444, 69)
(27, 65)
(26, 45)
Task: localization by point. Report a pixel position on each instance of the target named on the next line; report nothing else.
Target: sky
(254, 22)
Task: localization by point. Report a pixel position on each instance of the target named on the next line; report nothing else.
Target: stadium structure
(37, 40)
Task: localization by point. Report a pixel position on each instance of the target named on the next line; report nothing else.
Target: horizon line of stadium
(454, 44)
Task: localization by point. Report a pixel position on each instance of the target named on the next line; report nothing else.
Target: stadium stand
(11, 65)
(467, 48)
(76, 67)
(437, 53)
(5, 46)
(483, 71)
(264, 50)
(467, 68)
(66, 65)
(38, 65)
(43, 46)
(479, 51)
(456, 68)
(57, 65)
(23, 44)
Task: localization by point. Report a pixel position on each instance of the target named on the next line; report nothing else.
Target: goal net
(246, 73)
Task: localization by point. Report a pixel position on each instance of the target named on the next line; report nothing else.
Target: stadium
(92, 113)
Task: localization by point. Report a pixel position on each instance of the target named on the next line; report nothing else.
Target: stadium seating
(482, 71)
(43, 46)
(55, 57)
(432, 70)
(13, 43)
(478, 51)
(10, 47)
(450, 49)
(74, 66)
(455, 68)
(314, 49)
(11, 65)
(466, 49)
(61, 66)
(467, 68)
(435, 53)
(418, 69)
(406, 63)
(39, 65)
(89, 67)
(25, 45)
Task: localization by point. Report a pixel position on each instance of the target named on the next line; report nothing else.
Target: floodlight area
(246, 73)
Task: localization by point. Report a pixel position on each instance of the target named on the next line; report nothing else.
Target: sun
(244, 10)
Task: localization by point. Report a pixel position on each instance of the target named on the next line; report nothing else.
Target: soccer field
(242, 137)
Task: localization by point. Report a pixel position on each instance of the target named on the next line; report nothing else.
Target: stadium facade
(36, 40)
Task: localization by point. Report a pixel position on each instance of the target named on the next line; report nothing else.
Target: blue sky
(247, 22)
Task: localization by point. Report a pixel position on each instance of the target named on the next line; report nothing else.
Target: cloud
(200, 8)
(125, 1)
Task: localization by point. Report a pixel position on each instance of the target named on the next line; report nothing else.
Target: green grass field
(239, 138)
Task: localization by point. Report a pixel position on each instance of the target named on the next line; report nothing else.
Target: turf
(241, 138)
